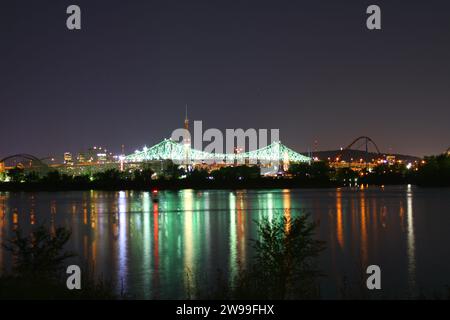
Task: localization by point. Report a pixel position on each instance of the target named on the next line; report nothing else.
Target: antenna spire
(186, 120)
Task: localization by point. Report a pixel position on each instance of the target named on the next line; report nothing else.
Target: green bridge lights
(178, 152)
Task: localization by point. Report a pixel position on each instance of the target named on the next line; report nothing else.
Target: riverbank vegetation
(284, 265)
(38, 270)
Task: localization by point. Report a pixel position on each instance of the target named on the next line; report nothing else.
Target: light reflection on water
(165, 249)
(411, 241)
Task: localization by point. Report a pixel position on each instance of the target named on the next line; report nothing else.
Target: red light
(155, 191)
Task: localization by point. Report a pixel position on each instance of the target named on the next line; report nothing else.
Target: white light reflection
(411, 241)
(146, 209)
(232, 240)
(270, 206)
(123, 239)
(188, 236)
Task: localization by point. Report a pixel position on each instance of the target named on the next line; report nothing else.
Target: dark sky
(309, 68)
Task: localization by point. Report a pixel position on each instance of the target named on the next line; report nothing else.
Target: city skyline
(312, 70)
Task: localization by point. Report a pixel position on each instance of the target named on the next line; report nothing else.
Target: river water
(158, 250)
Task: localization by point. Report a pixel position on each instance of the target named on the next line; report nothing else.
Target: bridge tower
(280, 157)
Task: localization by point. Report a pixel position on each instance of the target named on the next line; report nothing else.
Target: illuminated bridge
(178, 152)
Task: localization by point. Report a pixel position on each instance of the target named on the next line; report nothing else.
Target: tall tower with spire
(187, 141)
(186, 120)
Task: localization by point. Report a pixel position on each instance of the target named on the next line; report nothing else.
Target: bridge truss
(178, 152)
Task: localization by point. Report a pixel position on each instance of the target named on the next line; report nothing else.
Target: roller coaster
(356, 144)
(365, 141)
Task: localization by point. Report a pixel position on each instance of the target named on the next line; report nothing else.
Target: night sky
(310, 68)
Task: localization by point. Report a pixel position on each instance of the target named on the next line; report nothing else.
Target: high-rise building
(68, 159)
(81, 158)
(95, 155)
(101, 156)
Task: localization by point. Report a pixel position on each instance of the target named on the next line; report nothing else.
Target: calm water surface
(156, 250)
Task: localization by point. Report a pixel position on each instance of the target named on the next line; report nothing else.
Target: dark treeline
(172, 177)
(433, 171)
